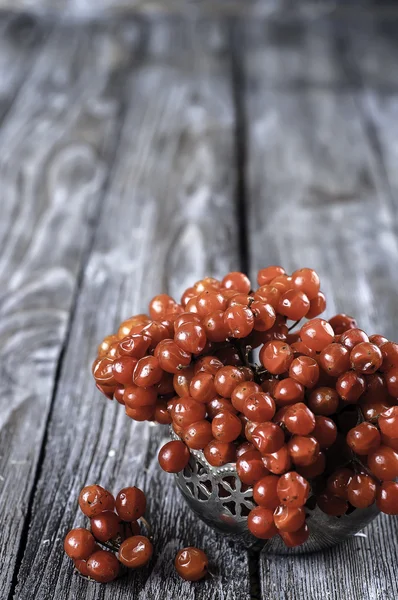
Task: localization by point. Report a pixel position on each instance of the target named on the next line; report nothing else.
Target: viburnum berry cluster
(317, 417)
(119, 532)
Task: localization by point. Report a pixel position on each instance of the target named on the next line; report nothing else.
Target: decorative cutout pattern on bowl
(218, 497)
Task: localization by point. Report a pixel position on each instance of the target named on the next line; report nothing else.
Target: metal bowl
(220, 499)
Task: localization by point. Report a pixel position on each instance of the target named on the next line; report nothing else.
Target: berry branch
(288, 423)
(294, 325)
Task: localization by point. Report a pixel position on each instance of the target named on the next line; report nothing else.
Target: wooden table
(136, 156)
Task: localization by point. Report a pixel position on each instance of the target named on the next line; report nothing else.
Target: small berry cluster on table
(115, 539)
(318, 417)
(119, 532)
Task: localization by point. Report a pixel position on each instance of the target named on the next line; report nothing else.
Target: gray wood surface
(312, 9)
(56, 142)
(168, 217)
(315, 176)
(138, 156)
(93, 8)
(84, 8)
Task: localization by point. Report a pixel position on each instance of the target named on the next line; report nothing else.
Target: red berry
(317, 334)
(191, 564)
(103, 566)
(79, 544)
(135, 551)
(293, 490)
(130, 503)
(173, 457)
(261, 523)
(94, 499)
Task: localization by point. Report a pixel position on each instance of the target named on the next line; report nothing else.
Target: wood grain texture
(84, 8)
(168, 219)
(309, 9)
(317, 196)
(54, 143)
(88, 238)
(20, 41)
(358, 569)
(373, 67)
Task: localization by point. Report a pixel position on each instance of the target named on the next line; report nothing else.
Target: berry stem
(84, 576)
(148, 527)
(110, 546)
(260, 373)
(358, 465)
(243, 352)
(294, 325)
(122, 573)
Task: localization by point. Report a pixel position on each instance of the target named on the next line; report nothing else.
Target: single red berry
(79, 544)
(135, 551)
(94, 499)
(103, 566)
(191, 564)
(173, 456)
(130, 503)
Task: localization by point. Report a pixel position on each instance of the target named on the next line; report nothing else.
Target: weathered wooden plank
(20, 40)
(317, 198)
(168, 218)
(377, 104)
(312, 9)
(374, 67)
(96, 7)
(359, 569)
(54, 144)
(369, 47)
(297, 55)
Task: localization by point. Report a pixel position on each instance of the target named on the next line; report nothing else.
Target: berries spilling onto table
(115, 537)
(317, 417)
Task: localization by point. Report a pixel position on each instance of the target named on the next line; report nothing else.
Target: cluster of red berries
(318, 416)
(120, 533)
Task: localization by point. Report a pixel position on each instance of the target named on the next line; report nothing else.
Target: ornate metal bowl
(220, 499)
